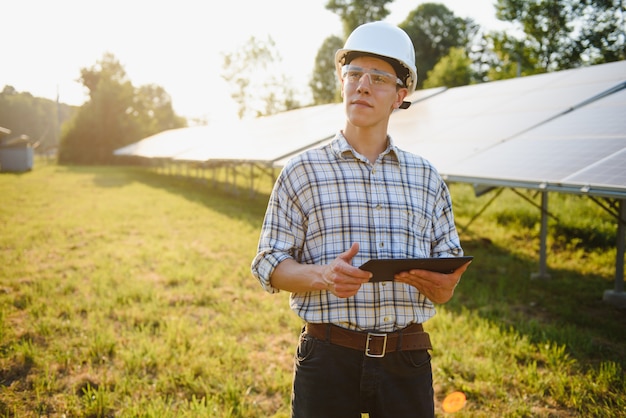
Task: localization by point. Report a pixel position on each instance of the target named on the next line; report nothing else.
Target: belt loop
(399, 346)
(328, 332)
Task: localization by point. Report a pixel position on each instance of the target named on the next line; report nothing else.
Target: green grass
(126, 292)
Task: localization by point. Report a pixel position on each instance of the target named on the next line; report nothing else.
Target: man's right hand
(341, 278)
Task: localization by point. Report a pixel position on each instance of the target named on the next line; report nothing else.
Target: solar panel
(462, 121)
(609, 172)
(419, 95)
(584, 148)
(415, 97)
(269, 137)
(165, 144)
(539, 159)
(549, 127)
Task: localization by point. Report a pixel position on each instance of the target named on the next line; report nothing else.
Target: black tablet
(384, 269)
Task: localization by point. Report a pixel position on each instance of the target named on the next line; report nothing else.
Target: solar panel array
(584, 149)
(562, 131)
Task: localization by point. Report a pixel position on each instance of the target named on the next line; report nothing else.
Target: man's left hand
(438, 287)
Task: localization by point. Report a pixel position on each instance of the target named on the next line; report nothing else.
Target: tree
(453, 70)
(434, 29)
(545, 24)
(563, 34)
(38, 118)
(356, 12)
(509, 57)
(115, 115)
(603, 30)
(152, 106)
(258, 86)
(324, 83)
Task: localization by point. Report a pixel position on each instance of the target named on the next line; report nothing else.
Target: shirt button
(386, 319)
(381, 245)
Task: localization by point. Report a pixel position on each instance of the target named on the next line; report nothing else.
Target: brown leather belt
(373, 344)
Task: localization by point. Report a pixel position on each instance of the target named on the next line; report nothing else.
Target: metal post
(543, 269)
(617, 296)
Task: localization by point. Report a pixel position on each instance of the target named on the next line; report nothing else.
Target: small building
(16, 154)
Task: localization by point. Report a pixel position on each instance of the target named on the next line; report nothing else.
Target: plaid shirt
(327, 198)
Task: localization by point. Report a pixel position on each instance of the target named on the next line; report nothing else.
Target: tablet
(385, 268)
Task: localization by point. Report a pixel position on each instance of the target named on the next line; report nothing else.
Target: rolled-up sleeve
(445, 240)
(263, 266)
(282, 233)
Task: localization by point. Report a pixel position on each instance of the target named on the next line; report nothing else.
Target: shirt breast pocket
(417, 234)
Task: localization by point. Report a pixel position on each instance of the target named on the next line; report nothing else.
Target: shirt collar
(341, 148)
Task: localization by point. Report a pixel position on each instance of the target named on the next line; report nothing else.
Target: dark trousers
(331, 381)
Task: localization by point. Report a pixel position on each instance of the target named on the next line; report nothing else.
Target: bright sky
(176, 44)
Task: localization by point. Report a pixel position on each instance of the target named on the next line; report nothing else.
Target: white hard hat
(386, 41)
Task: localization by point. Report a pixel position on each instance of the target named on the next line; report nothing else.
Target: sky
(176, 44)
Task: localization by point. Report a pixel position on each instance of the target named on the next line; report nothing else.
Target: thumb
(348, 255)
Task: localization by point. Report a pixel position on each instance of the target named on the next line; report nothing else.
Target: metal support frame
(617, 296)
(543, 265)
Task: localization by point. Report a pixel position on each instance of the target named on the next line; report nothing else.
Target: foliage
(545, 24)
(553, 35)
(602, 23)
(324, 83)
(116, 114)
(39, 119)
(451, 71)
(563, 34)
(254, 73)
(357, 12)
(127, 293)
(510, 58)
(152, 108)
(434, 29)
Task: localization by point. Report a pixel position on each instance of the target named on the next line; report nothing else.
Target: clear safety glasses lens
(353, 74)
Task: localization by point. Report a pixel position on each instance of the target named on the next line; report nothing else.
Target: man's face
(370, 92)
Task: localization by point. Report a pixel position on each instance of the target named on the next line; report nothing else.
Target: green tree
(324, 83)
(254, 73)
(434, 29)
(356, 12)
(545, 25)
(603, 30)
(152, 106)
(115, 115)
(509, 57)
(453, 70)
(563, 34)
(38, 118)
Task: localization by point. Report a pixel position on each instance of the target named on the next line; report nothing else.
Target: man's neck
(368, 142)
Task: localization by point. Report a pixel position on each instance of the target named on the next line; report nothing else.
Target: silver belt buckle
(370, 335)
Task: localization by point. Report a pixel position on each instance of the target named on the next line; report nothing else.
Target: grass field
(127, 293)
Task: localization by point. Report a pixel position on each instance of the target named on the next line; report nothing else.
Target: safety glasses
(377, 78)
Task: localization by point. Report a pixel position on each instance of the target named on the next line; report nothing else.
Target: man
(363, 348)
